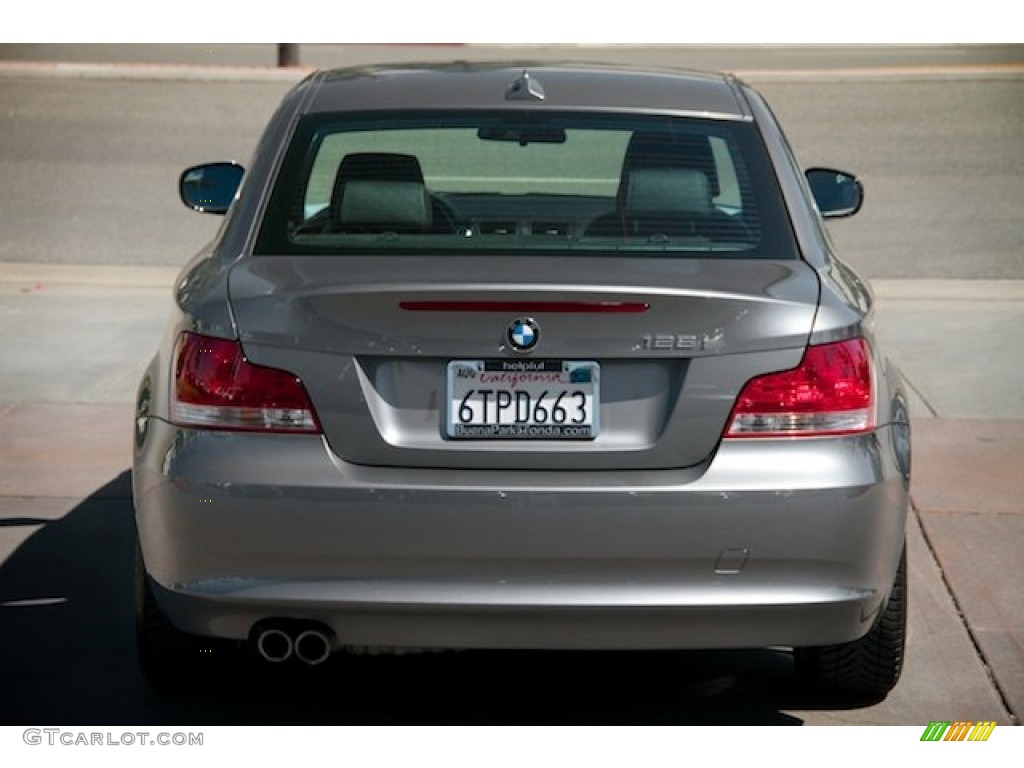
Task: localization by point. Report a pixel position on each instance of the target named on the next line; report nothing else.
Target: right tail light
(829, 393)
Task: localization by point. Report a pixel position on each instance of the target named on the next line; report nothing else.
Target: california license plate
(523, 399)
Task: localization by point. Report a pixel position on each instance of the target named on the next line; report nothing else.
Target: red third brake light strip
(517, 307)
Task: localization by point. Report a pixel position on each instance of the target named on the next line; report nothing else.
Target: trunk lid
(372, 339)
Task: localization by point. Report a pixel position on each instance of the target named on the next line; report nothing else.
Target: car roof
(486, 85)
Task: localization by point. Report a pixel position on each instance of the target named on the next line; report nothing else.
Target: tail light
(215, 387)
(829, 393)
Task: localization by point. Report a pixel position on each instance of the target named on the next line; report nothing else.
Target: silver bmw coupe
(546, 357)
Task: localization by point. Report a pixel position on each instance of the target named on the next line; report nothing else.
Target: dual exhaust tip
(278, 643)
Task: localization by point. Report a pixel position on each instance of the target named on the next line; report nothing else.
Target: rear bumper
(773, 543)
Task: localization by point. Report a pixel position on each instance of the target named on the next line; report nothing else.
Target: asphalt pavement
(77, 336)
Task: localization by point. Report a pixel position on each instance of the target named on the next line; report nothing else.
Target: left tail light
(215, 387)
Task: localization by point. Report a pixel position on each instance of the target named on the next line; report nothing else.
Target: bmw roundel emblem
(523, 334)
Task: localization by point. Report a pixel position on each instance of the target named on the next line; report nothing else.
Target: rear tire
(167, 656)
(868, 668)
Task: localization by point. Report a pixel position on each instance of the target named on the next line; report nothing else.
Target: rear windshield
(487, 183)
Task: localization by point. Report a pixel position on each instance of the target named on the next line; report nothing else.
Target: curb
(292, 75)
(933, 289)
(143, 72)
(85, 279)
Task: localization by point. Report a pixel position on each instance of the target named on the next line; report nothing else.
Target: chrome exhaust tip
(313, 647)
(274, 645)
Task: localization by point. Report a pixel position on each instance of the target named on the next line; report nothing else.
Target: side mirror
(211, 187)
(836, 193)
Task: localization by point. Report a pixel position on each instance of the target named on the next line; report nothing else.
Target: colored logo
(960, 730)
(523, 334)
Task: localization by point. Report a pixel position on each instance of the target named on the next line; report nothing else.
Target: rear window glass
(500, 182)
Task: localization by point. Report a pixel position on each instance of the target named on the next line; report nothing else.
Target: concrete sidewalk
(76, 339)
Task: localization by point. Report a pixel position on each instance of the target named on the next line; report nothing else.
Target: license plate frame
(544, 400)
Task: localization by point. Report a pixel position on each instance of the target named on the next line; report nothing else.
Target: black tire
(868, 668)
(167, 656)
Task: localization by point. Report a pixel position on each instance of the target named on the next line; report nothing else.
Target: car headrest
(383, 166)
(402, 204)
(380, 188)
(649, 149)
(667, 190)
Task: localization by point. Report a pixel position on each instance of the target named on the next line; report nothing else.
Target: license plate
(523, 399)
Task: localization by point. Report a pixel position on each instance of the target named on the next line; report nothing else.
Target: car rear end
(566, 381)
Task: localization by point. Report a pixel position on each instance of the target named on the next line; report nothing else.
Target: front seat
(666, 188)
